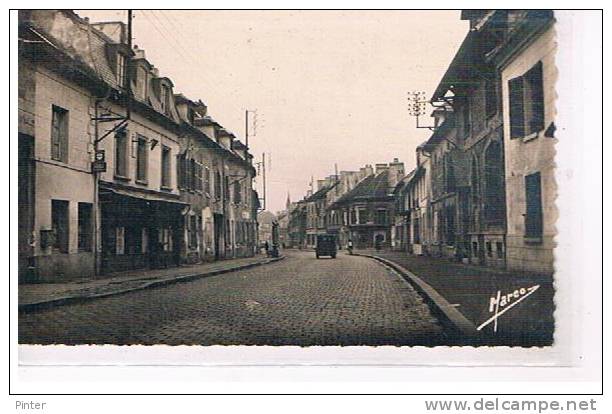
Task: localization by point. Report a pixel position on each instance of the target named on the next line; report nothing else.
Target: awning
(145, 195)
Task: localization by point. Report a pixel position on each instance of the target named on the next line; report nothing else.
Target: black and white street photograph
(288, 177)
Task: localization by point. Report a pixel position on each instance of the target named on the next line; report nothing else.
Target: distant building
(368, 209)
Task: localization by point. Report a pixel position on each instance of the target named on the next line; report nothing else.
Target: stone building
(368, 209)
(144, 207)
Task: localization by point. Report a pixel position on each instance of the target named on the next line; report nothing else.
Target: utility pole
(97, 219)
(263, 160)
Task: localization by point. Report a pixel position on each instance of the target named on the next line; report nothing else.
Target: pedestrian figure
(267, 248)
(350, 246)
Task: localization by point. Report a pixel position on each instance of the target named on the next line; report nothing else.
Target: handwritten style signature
(500, 304)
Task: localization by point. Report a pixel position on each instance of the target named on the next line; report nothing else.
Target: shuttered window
(517, 112)
(527, 102)
(533, 213)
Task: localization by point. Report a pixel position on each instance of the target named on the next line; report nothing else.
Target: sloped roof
(371, 187)
(321, 193)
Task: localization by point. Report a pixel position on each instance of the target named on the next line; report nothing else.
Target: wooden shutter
(517, 110)
(536, 98)
(533, 197)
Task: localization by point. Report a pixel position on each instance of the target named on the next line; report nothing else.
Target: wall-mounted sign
(99, 164)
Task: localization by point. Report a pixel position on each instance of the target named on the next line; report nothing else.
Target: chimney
(368, 170)
(321, 184)
(396, 172)
(380, 167)
(139, 53)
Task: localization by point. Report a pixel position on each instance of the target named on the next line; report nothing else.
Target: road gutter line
(44, 304)
(450, 315)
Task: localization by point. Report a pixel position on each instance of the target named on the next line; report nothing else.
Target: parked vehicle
(326, 246)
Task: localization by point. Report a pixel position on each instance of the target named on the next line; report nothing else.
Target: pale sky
(329, 86)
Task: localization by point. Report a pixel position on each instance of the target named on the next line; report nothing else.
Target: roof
(404, 181)
(439, 133)
(371, 187)
(466, 64)
(321, 193)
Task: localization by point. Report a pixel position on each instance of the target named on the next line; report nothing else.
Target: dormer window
(164, 98)
(121, 69)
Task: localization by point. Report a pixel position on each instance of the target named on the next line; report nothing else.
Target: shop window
(416, 228)
(533, 214)
(85, 227)
(59, 221)
(59, 134)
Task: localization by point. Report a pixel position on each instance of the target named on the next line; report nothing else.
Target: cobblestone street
(298, 301)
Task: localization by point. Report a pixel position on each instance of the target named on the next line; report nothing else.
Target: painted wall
(524, 156)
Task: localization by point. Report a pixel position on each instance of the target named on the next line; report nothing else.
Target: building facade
(146, 202)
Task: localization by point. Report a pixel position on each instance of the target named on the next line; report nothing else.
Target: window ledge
(531, 136)
(142, 182)
(532, 240)
(121, 177)
(165, 188)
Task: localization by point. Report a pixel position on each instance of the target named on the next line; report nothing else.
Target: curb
(36, 306)
(450, 316)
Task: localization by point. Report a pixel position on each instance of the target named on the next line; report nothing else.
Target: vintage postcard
(287, 178)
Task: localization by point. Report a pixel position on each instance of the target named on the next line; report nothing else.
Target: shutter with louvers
(536, 98)
(517, 110)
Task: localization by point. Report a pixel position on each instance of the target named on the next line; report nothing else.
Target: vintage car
(326, 245)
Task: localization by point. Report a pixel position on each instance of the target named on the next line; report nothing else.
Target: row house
(416, 206)
(491, 182)
(148, 207)
(316, 205)
(368, 209)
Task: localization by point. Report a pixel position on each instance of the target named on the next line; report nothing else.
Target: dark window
(490, 97)
(59, 134)
(533, 197)
(527, 102)
(381, 217)
(193, 232)
(226, 188)
(237, 193)
(121, 153)
(499, 247)
(475, 249)
(489, 249)
(180, 170)
(59, 223)
(165, 167)
(141, 160)
(465, 113)
(450, 175)
(450, 225)
(364, 216)
(85, 227)
(206, 180)
(416, 227)
(494, 184)
(353, 216)
(217, 185)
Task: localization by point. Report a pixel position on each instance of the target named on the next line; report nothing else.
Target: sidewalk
(41, 295)
(469, 289)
